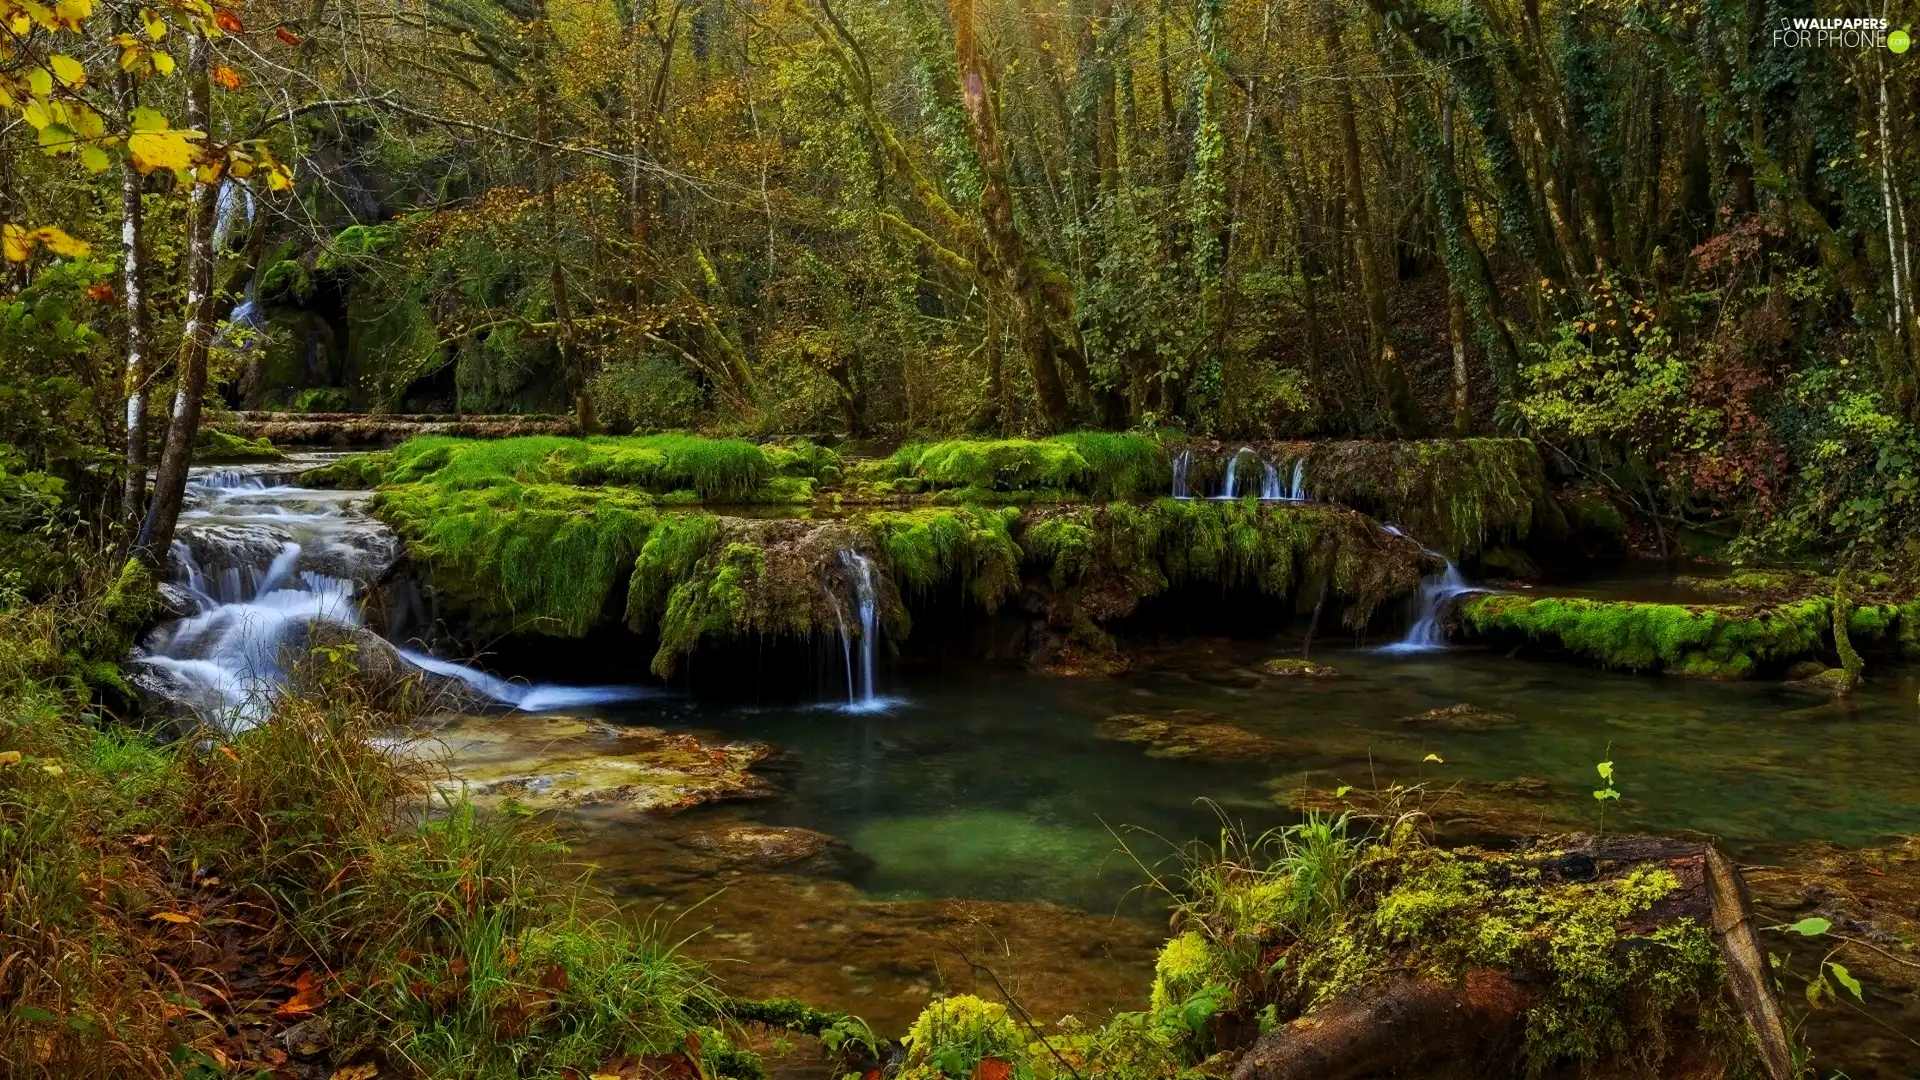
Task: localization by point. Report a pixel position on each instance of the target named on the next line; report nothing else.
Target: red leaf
(286, 36)
(992, 1069)
(228, 21)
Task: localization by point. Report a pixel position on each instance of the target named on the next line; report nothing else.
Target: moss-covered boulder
(1294, 667)
(1191, 733)
(1082, 465)
(217, 447)
(1724, 641)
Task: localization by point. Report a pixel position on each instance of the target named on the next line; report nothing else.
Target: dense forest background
(1649, 235)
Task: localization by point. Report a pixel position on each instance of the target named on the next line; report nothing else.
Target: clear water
(997, 784)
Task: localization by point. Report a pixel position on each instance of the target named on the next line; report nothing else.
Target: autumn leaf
(228, 21)
(152, 150)
(10, 757)
(286, 36)
(365, 1071)
(175, 917)
(308, 995)
(58, 242)
(94, 159)
(226, 78)
(69, 71)
(155, 26)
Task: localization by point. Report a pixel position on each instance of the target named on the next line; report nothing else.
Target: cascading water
(1428, 633)
(1270, 484)
(1231, 489)
(860, 692)
(257, 564)
(1181, 462)
(1298, 492)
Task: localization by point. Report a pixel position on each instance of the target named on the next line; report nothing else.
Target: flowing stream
(1437, 590)
(256, 564)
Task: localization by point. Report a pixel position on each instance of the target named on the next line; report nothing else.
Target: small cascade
(1298, 492)
(860, 692)
(256, 564)
(1437, 590)
(1270, 484)
(1181, 462)
(1230, 489)
(245, 318)
(233, 202)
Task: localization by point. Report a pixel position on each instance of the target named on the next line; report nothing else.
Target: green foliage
(646, 392)
(953, 1034)
(1716, 642)
(712, 470)
(968, 546)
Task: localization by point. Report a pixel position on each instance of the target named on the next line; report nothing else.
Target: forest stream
(947, 825)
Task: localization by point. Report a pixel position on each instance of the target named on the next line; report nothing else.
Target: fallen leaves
(176, 917)
(364, 1071)
(308, 995)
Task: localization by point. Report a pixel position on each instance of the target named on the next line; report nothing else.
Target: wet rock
(768, 846)
(1190, 733)
(1295, 667)
(1461, 717)
(1805, 669)
(561, 762)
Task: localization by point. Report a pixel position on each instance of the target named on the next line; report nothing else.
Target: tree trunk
(170, 483)
(1012, 264)
(1398, 404)
(133, 257)
(570, 362)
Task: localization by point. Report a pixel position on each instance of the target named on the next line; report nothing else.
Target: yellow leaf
(87, 122)
(39, 82)
(38, 115)
(156, 26)
(174, 917)
(94, 159)
(279, 178)
(10, 757)
(71, 13)
(68, 70)
(53, 770)
(162, 62)
(58, 242)
(145, 119)
(240, 167)
(159, 150)
(16, 244)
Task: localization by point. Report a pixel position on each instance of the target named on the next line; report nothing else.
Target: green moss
(1607, 991)
(1277, 549)
(1718, 641)
(285, 282)
(969, 547)
(216, 447)
(1187, 964)
(1457, 495)
(355, 472)
(519, 557)
(674, 547)
(1084, 464)
(711, 470)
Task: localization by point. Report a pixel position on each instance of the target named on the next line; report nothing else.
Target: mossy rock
(1461, 717)
(1724, 642)
(1191, 733)
(1457, 495)
(216, 447)
(1293, 667)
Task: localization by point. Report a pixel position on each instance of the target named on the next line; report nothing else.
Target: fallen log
(1430, 1004)
(381, 429)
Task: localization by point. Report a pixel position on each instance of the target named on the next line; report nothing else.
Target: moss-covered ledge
(1710, 641)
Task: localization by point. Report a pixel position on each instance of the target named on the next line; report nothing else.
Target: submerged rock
(1295, 667)
(782, 846)
(1190, 733)
(1461, 717)
(561, 762)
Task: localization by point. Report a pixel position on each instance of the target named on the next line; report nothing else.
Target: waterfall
(234, 200)
(256, 564)
(1230, 489)
(860, 693)
(1270, 484)
(1298, 492)
(1428, 634)
(1181, 461)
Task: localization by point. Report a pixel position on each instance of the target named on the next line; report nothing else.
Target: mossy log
(378, 429)
(1484, 1019)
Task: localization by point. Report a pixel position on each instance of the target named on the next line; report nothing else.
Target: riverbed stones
(563, 762)
(1293, 667)
(1191, 733)
(786, 847)
(1461, 717)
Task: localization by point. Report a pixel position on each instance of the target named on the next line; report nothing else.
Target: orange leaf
(100, 293)
(228, 21)
(286, 36)
(226, 78)
(308, 995)
(992, 1069)
(228, 750)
